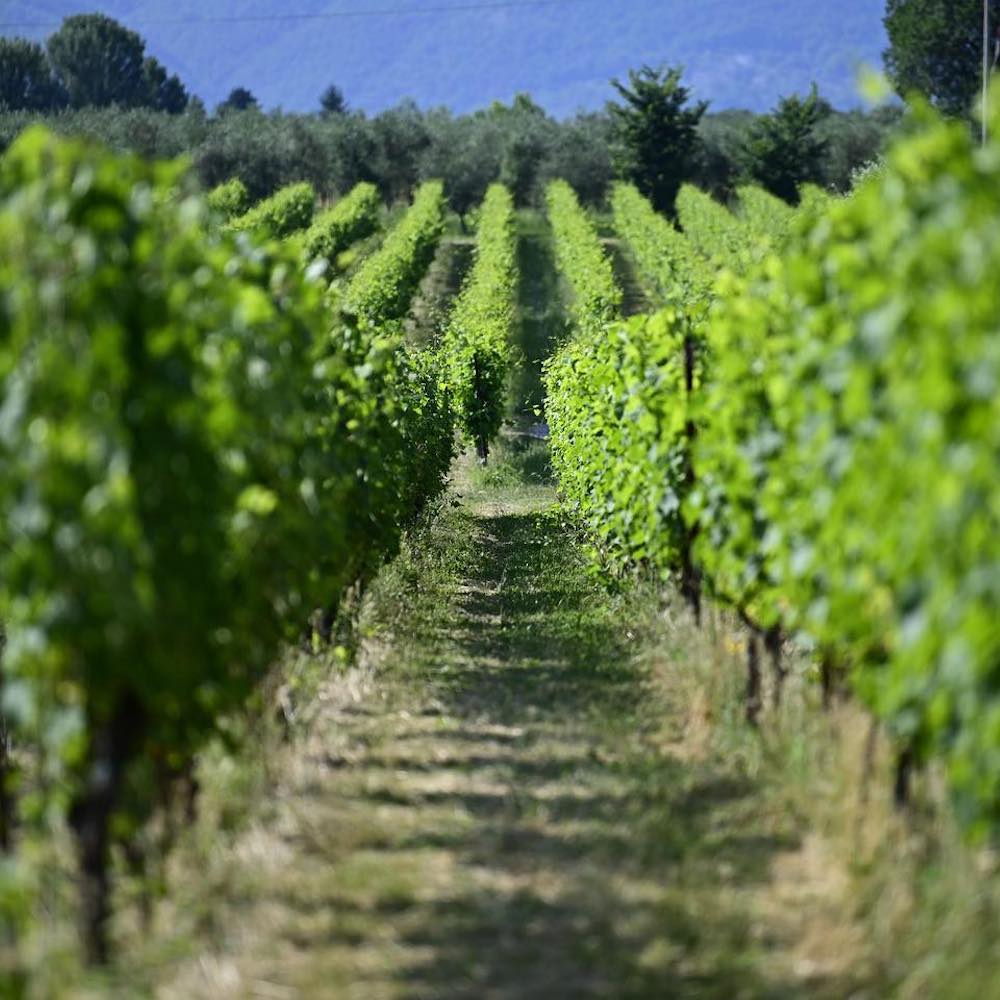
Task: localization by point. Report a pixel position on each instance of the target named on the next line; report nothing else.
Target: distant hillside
(737, 54)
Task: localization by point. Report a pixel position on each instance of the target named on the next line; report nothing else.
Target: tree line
(93, 77)
(517, 144)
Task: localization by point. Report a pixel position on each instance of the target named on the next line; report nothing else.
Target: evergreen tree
(657, 133)
(97, 62)
(784, 149)
(332, 101)
(163, 92)
(239, 99)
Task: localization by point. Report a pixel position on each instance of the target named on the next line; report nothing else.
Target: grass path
(505, 801)
(499, 809)
(635, 301)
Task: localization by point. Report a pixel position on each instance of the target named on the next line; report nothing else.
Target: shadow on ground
(583, 861)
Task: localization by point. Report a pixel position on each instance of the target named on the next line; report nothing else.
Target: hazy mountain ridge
(736, 55)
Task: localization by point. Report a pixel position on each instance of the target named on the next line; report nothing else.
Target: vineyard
(388, 613)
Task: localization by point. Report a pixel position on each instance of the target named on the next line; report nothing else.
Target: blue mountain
(379, 52)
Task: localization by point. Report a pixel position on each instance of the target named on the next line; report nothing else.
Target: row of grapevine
(611, 394)
(668, 265)
(382, 289)
(585, 377)
(849, 486)
(229, 199)
(285, 212)
(477, 340)
(714, 231)
(196, 453)
(764, 214)
(353, 218)
(581, 259)
(613, 387)
(759, 224)
(843, 485)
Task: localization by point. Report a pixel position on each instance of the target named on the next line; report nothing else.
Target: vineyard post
(753, 700)
(690, 582)
(7, 806)
(902, 791)
(482, 445)
(112, 744)
(986, 68)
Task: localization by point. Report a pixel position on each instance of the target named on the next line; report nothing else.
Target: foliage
(353, 218)
(337, 152)
(332, 101)
(878, 484)
(581, 259)
(239, 99)
(148, 496)
(284, 213)
(192, 463)
(518, 145)
(713, 230)
(813, 200)
(627, 385)
(26, 79)
(615, 382)
(580, 154)
(617, 421)
(147, 133)
(163, 92)
(382, 289)
(784, 149)
(528, 130)
(935, 50)
(477, 340)
(268, 152)
(467, 155)
(672, 271)
(100, 62)
(657, 133)
(843, 484)
(722, 136)
(853, 139)
(401, 136)
(229, 199)
(765, 214)
(850, 140)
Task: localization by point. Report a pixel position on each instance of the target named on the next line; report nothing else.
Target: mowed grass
(501, 812)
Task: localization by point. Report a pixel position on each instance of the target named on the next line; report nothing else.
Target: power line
(322, 16)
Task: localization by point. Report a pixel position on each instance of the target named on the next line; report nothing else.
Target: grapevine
(353, 218)
(477, 341)
(197, 452)
(284, 213)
